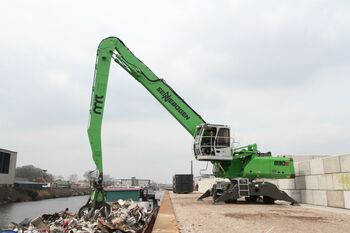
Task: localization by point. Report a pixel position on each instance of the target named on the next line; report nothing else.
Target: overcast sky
(277, 72)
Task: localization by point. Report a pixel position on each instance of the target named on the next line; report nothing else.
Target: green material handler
(243, 166)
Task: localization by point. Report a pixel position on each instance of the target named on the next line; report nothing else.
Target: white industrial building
(133, 182)
(8, 161)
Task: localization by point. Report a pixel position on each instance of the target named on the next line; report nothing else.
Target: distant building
(8, 161)
(61, 184)
(133, 182)
(81, 184)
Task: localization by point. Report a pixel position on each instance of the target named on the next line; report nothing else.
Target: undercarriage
(251, 190)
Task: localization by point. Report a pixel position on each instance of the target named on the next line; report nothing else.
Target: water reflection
(16, 212)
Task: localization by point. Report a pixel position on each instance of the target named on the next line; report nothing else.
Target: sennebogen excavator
(245, 167)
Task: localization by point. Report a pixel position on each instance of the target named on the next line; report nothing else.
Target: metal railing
(210, 144)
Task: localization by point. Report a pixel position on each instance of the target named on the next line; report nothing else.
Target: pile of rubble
(125, 216)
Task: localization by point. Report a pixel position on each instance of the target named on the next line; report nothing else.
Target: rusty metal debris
(125, 216)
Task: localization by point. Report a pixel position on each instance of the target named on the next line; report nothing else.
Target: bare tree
(93, 175)
(73, 178)
(88, 175)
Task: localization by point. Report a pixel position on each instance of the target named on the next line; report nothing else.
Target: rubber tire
(214, 192)
(268, 200)
(231, 201)
(86, 207)
(251, 199)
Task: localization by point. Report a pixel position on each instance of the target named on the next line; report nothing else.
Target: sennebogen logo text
(167, 98)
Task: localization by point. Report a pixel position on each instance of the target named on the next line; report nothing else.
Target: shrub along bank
(14, 194)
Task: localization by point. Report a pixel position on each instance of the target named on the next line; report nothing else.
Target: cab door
(222, 144)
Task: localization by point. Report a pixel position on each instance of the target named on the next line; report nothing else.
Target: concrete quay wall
(321, 181)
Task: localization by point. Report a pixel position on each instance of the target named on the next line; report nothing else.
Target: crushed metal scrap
(125, 216)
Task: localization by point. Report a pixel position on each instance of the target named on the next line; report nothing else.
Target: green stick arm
(113, 48)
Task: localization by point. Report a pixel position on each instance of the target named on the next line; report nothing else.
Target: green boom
(246, 161)
(113, 48)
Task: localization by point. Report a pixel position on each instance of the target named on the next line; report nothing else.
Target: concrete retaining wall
(321, 181)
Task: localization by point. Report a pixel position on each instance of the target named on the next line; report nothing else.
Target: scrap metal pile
(125, 216)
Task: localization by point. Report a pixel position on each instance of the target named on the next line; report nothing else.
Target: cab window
(209, 136)
(223, 138)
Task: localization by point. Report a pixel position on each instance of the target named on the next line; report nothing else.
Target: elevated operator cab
(212, 142)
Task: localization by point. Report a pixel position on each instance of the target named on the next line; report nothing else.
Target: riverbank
(13, 194)
(17, 212)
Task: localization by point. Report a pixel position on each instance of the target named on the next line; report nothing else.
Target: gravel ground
(194, 216)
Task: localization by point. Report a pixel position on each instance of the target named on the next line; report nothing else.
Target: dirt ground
(195, 216)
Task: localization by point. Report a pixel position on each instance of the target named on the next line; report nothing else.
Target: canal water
(16, 212)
